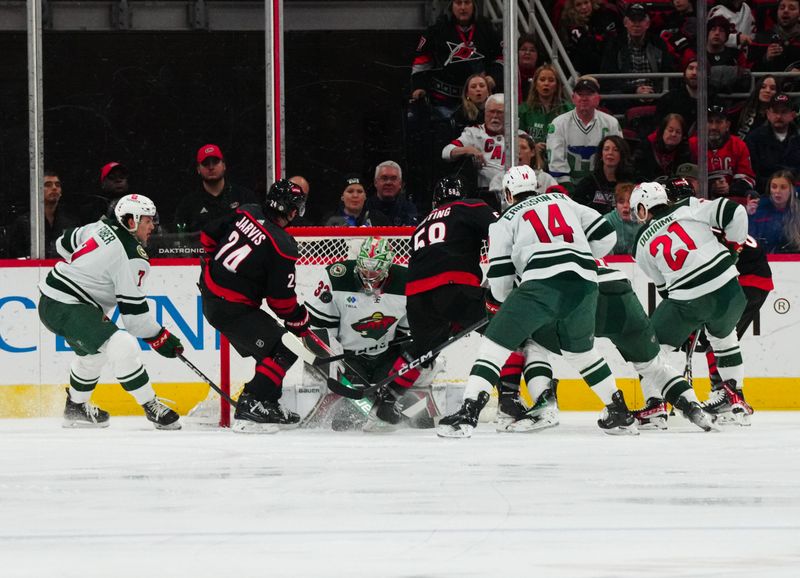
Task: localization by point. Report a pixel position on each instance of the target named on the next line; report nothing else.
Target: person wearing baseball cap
(114, 180)
(352, 210)
(215, 198)
(775, 144)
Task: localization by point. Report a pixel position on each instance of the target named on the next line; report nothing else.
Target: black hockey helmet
(678, 188)
(446, 190)
(283, 196)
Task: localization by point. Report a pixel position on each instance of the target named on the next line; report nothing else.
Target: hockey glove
(298, 322)
(492, 305)
(165, 343)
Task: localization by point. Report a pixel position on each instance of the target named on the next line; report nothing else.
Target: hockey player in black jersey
(249, 258)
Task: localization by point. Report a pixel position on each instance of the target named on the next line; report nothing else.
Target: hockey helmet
(648, 195)
(283, 196)
(678, 188)
(519, 180)
(136, 206)
(446, 190)
(373, 262)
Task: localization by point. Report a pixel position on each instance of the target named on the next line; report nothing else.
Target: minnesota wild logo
(375, 326)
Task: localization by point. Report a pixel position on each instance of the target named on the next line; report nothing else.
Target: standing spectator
(57, 218)
(778, 49)
(544, 103)
(682, 99)
(741, 24)
(459, 44)
(775, 220)
(586, 27)
(573, 137)
(217, 197)
(776, 144)
(527, 154)
(680, 30)
(597, 189)
(622, 220)
(389, 198)
(527, 60)
(352, 211)
(473, 101)
(302, 220)
(728, 157)
(636, 51)
(753, 112)
(664, 150)
(483, 145)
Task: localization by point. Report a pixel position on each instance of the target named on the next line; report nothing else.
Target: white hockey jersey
(572, 145)
(680, 253)
(105, 267)
(544, 236)
(493, 147)
(357, 319)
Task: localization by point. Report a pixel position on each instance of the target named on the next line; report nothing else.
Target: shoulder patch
(337, 270)
(141, 251)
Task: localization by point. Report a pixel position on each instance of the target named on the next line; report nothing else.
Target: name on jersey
(528, 203)
(106, 235)
(251, 230)
(654, 228)
(438, 214)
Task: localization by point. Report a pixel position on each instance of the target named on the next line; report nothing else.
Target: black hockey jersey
(753, 267)
(249, 258)
(446, 246)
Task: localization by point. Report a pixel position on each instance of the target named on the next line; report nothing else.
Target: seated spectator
(679, 32)
(352, 210)
(776, 144)
(727, 65)
(741, 24)
(526, 155)
(113, 186)
(614, 164)
(473, 101)
(527, 61)
(730, 172)
(622, 220)
(573, 137)
(691, 173)
(215, 198)
(57, 218)
(682, 99)
(544, 103)
(302, 220)
(461, 43)
(389, 198)
(753, 112)
(775, 220)
(482, 144)
(636, 50)
(585, 28)
(664, 150)
(778, 49)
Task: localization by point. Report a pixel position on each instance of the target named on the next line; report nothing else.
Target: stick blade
(339, 388)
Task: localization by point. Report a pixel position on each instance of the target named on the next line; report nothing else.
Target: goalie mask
(136, 206)
(373, 262)
(647, 195)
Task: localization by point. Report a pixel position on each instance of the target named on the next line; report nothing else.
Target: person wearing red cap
(114, 180)
(217, 197)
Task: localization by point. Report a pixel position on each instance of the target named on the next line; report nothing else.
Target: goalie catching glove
(165, 343)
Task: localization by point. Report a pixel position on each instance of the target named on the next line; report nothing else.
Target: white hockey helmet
(648, 195)
(136, 206)
(519, 180)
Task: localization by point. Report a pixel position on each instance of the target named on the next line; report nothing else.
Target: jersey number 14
(557, 225)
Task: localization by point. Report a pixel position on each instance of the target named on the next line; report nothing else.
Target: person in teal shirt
(545, 101)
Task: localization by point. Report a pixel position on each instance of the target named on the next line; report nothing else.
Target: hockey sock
(659, 379)
(511, 372)
(486, 369)
(713, 372)
(538, 371)
(143, 393)
(690, 395)
(595, 371)
(84, 372)
(729, 357)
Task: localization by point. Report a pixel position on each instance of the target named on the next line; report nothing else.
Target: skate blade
(71, 424)
(448, 431)
(622, 430)
(176, 425)
(378, 427)
(653, 424)
(529, 426)
(251, 427)
(741, 416)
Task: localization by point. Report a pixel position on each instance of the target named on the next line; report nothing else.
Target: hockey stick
(357, 393)
(211, 384)
(687, 370)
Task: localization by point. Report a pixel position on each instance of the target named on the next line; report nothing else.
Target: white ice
(568, 502)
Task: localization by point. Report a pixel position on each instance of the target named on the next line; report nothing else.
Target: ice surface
(568, 502)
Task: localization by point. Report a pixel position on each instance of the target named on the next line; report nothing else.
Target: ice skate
(653, 416)
(385, 413)
(83, 415)
(616, 419)
(694, 412)
(510, 407)
(255, 416)
(162, 416)
(543, 415)
(727, 404)
(463, 422)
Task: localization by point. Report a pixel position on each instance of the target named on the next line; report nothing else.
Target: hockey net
(318, 247)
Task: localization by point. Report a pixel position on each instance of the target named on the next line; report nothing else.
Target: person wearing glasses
(217, 197)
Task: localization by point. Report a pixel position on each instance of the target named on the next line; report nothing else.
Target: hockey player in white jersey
(106, 267)
(362, 304)
(549, 242)
(697, 277)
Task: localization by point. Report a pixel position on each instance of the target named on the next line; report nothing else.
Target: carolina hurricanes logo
(375, 326)
(462, 53)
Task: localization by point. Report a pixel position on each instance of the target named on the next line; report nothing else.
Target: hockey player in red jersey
(443, 287)
(251, 258)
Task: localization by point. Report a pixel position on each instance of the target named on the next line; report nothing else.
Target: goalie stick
(358, 392)
(210, 383)
(296, 346)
